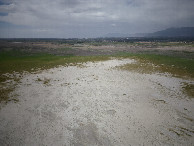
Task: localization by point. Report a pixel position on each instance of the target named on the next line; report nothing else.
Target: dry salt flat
(98, 105)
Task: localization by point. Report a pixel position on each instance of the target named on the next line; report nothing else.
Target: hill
(174, 32)
(170, 32)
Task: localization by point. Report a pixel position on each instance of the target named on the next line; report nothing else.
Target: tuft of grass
(189, 89)
(14, 99)
(39, 79)
(46, 81)
(5, 93)
(7, 87)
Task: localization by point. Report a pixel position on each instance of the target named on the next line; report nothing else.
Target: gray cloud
(93, 18)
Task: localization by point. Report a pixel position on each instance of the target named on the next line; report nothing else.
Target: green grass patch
(16, 61)
(148, 63)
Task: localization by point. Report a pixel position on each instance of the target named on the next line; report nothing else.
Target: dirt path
(98, 105)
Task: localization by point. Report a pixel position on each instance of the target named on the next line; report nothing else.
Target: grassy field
(17, 61)
(13, 62)
(147, 63)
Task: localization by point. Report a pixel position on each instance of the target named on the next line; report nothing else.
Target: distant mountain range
(170, 32)
(121, 35)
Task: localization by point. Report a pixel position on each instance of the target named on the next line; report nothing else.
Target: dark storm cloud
(92, 18)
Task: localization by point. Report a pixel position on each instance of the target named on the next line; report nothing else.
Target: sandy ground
(98, 105)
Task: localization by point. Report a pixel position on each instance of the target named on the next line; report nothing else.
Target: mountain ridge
(169, 32)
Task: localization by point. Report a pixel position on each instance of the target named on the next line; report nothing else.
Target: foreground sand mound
(98, 105)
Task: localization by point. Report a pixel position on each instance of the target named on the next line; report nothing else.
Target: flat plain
(96, 92)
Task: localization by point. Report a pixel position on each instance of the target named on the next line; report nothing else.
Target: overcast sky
(91, 18)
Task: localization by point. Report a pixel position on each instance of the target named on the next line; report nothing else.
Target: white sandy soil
(98, 105)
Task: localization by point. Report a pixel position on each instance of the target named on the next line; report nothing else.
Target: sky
(91, 18)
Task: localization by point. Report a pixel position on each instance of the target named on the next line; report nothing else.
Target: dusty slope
(98, 105)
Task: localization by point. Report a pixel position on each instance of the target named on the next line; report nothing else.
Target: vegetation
(151, 63)
(16, 61)
(148, 63)
(189, 89)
